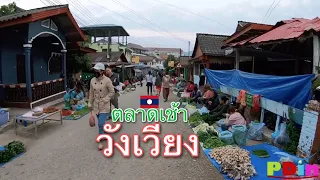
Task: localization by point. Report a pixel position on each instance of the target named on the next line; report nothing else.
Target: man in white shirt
(149, 79)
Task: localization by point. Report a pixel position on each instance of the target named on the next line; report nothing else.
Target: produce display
(80, 113)
(11, 150)
(206, 117)
(203, 136)
(261, 153)
(213, 142)
(234, 161)
(195, 119)
(50, 109)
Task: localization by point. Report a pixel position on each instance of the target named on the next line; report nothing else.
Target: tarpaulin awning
(294, 91)
(137, 70)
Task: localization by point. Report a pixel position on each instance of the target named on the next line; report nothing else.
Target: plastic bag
(92, 120)
(203, 110)
(283, 137)
(226, 137)
(239, 133)
(256, 131)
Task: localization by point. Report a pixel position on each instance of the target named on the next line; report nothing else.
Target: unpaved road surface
(69, 152)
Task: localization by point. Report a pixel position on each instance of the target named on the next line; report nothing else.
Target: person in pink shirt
(208, 94)
(233, 118)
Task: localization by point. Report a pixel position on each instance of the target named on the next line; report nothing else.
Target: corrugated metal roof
(29, 12)
(289, 29)
(210, 44)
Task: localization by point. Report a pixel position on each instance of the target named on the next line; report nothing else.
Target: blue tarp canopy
(291, 90)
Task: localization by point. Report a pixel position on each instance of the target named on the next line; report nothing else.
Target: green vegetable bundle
(261, 153)
(11, 150)
(195, 119)
(206, 117)
(203, 136)
(213, 142)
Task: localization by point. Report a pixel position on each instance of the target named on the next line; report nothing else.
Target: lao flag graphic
(149, 101)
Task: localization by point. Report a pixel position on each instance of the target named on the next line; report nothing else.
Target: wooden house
(33, 50)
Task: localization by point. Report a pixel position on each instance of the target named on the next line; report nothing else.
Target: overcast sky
(168, 26)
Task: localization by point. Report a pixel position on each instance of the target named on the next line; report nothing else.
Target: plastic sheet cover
(294, 91)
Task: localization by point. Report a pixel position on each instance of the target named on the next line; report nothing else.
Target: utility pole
(189, 48)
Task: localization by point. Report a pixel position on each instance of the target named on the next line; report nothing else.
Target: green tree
(77, 63)
(9, 9)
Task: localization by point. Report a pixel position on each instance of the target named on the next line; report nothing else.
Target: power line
(192, 13)
(268, 11)
(127, 18)
(273, 9)
(141, 16)
(86, 12)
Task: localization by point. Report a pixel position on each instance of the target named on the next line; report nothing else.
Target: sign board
(171, 63)
(135, 59)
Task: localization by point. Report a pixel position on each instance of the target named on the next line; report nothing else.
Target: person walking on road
(166, 86)
(158, 83)
(149, 79)
(100, 93)
(115, 82)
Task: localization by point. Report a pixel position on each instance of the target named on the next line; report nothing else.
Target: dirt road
(69, 152)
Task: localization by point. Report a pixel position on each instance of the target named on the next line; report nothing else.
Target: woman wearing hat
(100, 93)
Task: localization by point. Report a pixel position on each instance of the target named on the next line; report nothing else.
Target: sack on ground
(92, 120)
(226, 137)
(256, 131)
(239, 133)
(283, 137)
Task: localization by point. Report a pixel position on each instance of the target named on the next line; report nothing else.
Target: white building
(176, 52)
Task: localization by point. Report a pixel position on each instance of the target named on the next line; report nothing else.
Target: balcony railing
(18, 92)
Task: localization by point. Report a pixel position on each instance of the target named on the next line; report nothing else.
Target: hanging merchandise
(256, 131)
(249, 98)
(242, 97)
(256, 103)
(239, 133)
(283, 137)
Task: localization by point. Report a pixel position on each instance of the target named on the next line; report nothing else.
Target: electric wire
(185, 10)
(268, 11)
(149, 21)
(273, 9)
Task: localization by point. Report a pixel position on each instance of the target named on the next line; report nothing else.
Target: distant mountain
(188, 53)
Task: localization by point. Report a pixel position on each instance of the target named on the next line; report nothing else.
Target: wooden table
(34, 120)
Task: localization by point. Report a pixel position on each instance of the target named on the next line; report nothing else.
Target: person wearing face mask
(115, 81)
(100, 93)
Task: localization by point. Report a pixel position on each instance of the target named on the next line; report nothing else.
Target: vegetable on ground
(261, 153)
(213, 142)
(11, 150)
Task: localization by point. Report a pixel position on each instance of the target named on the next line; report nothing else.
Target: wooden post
(237, 59)
(316, 54)
(64, 67)
(253, 64)
(27, 54)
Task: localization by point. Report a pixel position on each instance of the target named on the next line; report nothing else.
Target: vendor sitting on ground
(232, 118)
(190, 87)
(195, 94)
(77, 95)
(222, 108)
(74, 96)
(208, 94)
